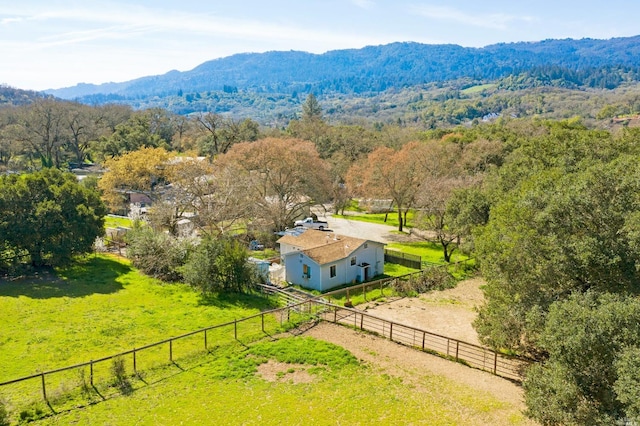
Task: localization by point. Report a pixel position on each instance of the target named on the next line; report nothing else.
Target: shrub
(157, 254)
(220, 265)
(429, 279)
(119, 372)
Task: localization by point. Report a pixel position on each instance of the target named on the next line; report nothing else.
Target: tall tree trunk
(400, 220)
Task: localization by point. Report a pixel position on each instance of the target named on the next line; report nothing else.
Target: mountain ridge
(369, 69)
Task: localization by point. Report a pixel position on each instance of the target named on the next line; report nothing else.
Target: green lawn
(339, 389)
(103, 306)
(267, 253)
(100, 307)
(432, 253)
(392, 218)
(429, 251)
(116, 221)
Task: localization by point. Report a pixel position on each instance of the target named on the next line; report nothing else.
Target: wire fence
(97, 379)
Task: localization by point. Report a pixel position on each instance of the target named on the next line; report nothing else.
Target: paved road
(364, 230)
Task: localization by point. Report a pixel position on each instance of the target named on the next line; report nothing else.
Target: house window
(366, 245)
(332, 271)
(306, 271)
(353, 261)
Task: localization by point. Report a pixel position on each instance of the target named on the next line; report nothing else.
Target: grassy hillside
(294, 381)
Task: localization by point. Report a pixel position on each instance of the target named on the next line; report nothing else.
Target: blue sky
(58, 43)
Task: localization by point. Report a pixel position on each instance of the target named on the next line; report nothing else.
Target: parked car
(310, 223)
(255, 245)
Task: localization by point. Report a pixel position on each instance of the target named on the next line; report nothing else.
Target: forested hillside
(374, 69)
(428, 85)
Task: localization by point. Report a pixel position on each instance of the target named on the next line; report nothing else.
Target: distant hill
(371, 69)
(12, 96)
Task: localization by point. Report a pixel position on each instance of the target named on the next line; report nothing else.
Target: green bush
(121, 379)
(218, 265)
(157, 254)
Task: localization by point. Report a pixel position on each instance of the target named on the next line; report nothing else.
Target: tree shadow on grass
(237, 300)
(91, 275)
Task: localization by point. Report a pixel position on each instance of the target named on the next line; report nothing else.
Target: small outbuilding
(322, 260)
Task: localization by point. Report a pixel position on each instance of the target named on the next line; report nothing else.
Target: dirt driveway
(448, 312)
(410, 365)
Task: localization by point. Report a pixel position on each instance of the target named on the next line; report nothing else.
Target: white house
(323, 260)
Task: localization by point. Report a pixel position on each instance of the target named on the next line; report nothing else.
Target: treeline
(559, 251)
(549, 92)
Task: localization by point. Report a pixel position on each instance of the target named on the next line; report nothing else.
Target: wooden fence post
(262, 318)
(44, 388)
(171, 350)
(361, 321)
(206, 347)
(235, 329)
(390, 331)
(135, 369)
(457, 348)
(495, 363)
(423, 337)
(91, 372)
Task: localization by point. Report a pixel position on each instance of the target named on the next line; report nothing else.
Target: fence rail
(294, 313)
(475, 356)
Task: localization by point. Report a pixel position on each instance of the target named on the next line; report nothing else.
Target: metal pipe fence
(509, 367)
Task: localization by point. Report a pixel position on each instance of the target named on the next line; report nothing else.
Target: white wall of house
(322, 277)
(295, 262)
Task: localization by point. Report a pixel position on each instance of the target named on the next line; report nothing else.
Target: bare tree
(285, 177)
(389, 174)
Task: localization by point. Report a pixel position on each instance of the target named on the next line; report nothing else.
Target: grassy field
(429, 251)
(97, 308)
(392, 218)
(319, 383)
(103, 306)
(116, 221)
(478, 88)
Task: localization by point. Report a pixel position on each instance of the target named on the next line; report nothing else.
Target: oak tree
(48, 216)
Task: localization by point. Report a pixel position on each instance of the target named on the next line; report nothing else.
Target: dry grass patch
(274, 371)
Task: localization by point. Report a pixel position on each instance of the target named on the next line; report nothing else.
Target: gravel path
(401, 361)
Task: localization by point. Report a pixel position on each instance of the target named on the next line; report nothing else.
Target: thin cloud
(496, 21)
(136, 21)
(7, 21)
